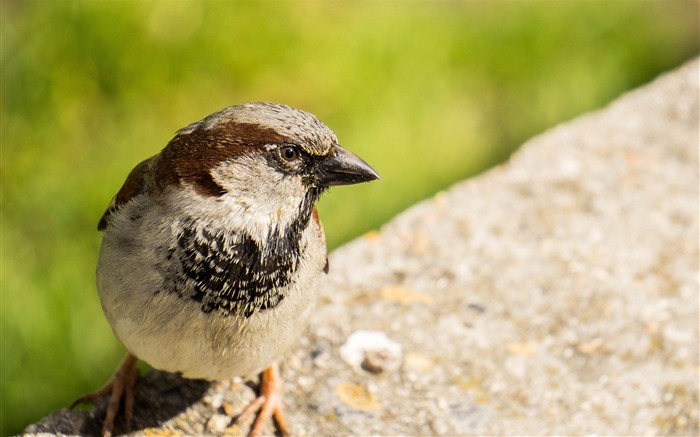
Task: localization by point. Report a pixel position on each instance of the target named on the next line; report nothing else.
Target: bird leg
(268, 404)
(121, 386)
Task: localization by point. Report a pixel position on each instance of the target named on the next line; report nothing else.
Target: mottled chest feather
(230, 272)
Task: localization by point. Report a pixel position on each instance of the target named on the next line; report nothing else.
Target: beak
(342, 167)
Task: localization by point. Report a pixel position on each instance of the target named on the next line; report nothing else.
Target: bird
(211, 249)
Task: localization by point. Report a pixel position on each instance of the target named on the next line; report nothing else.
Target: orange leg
(121, 386)
(268, 405)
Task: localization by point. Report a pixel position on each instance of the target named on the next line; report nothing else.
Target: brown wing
(314, 215)
(135, 184)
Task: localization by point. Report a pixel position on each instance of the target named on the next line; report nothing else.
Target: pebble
(372, 351)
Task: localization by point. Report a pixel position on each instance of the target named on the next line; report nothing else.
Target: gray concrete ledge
(556, 294)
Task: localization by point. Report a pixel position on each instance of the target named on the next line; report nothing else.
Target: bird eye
(289, 153)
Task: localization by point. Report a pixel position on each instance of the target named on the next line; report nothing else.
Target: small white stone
(216, 400)
(374, 348)
(217, 423)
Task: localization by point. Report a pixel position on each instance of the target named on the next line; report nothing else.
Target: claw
(268, 405)
(121, 386)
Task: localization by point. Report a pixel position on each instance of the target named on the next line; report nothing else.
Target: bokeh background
(429, 93)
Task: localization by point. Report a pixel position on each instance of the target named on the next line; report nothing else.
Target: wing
(134, 185)
(314, 215)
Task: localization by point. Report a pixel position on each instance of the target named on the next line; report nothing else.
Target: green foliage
(427, 92)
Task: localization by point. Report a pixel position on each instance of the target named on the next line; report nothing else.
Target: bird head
(268, 162)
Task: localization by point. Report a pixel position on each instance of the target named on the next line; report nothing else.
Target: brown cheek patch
(190, 157)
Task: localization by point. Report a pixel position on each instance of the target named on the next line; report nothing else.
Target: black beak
(342, 167)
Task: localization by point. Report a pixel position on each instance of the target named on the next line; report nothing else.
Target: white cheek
(258, 197)
(291, 203)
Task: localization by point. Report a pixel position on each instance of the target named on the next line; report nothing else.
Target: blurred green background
(429, 93)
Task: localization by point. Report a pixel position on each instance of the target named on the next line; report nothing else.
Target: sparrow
(211, 249)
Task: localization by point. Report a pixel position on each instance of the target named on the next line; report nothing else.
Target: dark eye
(289, 153)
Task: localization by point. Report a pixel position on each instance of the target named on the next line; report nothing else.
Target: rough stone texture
(556, 294)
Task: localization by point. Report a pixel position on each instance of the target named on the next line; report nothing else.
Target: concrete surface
(556, 294)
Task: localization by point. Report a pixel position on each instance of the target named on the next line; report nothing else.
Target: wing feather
(314, 216)
(134, 185)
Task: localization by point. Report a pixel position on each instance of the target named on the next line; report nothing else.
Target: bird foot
(267, 405)
(120, 387)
